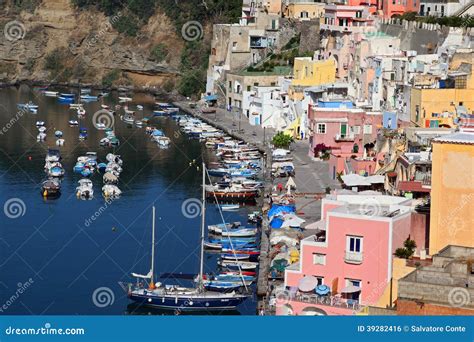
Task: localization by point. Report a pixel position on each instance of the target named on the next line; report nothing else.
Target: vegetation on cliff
(194, 55)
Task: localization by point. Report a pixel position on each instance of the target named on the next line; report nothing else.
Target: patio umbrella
(350, 289)
(322, 290)
(307, 283)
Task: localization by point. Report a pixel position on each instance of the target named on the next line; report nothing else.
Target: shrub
(159, 52)
(407, 251)
(110, 78)
(282, 140)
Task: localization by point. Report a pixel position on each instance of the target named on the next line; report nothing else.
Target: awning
(350, 289)
(211, 98)
(307, 283)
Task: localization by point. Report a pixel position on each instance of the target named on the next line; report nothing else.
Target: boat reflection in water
(139, 309)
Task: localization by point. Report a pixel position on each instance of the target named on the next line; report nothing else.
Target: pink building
(342, 129)
(351, 253)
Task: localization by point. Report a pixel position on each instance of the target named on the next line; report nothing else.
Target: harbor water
(67, 256)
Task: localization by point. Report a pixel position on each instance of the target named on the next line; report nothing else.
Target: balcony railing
(344, 137)
(353, 257)
(334, 301)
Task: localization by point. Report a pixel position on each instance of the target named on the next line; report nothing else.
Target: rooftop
(457, 138)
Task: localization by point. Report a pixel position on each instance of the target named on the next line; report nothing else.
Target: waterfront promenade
(311, 176)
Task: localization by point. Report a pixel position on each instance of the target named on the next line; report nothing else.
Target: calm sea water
(50, 242)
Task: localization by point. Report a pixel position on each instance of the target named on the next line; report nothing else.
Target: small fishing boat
(56, 171)
(86, 172)
(114, 158)
(60, 142)
(27, 106)
(111, 191)
(51, 188)
(79, 167)
(58, 134)
(244, 232)
(86, 90)
(163, 142)
(229, 207)
(40, 123)
(139, 107)
(50, 93)
(65, 100)
(81, 111)
(139, 123)
(124, 99)
(230, 256)
(41, 136)
(67, 95)
(75, 105)
(85, 189)
(110, 178)
(164, 105)
(101, 167)
(53, 155)
(159, 113)
(73, 123)
(238, 265)
(128, 118)
(221, 286)
(42, 129)
(88, 97)
(100, 126)
(82, 133)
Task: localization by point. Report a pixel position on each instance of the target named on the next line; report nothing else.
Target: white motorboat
(73, 123)
(85, 189)
(41, 136)
(111, 191)
(60, 142)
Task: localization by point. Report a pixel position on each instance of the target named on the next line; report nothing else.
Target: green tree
(407, 250)
(159, 52)
(282, 140)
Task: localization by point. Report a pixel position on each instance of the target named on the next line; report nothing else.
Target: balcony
(335, 301)
(355, 258)
(344, 137)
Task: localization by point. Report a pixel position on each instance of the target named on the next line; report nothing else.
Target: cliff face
(58, 43)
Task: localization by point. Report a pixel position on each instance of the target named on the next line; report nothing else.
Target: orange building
(452, 191)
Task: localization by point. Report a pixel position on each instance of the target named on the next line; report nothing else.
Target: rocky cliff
(56, 42)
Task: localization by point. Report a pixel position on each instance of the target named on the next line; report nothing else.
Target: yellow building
(304, 9)
(452, 191)
(309, 73)
(438, 107)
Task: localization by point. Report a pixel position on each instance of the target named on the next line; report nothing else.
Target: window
(249, 88)
(321, 128)
(320, 280)
(367, 129)
(355, 129)
(354, 244)
(319, 259)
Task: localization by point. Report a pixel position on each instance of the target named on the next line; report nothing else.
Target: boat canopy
(141, 276)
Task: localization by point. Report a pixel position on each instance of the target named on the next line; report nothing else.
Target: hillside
(105, 43)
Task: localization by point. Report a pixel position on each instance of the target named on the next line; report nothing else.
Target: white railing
(353, 257)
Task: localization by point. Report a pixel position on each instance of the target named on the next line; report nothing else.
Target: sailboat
(174, 297)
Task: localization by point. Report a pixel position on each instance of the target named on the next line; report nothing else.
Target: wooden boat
(238, 265)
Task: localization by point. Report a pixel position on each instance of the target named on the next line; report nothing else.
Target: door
(343, 130)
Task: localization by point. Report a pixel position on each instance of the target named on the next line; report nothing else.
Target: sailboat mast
(152, 283)
(203, 222)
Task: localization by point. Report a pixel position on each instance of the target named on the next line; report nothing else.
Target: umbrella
(322, 290)
(350, 289)
(291, 183)
(307, 283)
